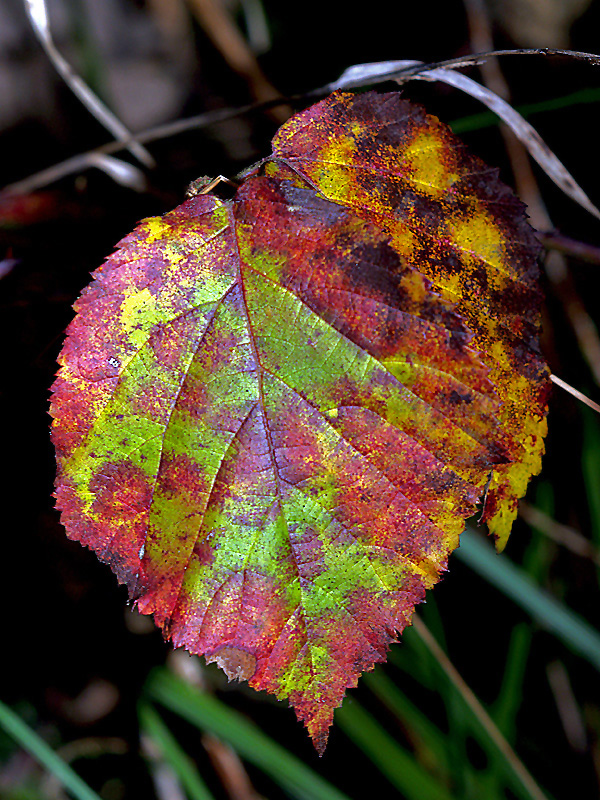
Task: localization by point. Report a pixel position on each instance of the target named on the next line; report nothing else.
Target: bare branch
(575, 392)
(356, 76)
(38, 16)
(583, 251)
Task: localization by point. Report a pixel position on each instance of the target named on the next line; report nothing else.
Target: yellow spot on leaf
(425, 160)
(479, 238)
(155, 228)
(403, 239)
(140, 306)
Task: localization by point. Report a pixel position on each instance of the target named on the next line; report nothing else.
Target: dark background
(66, 629)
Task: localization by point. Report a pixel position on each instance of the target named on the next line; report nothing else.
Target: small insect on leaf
(275, 412)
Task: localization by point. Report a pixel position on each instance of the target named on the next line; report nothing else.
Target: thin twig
(478, 710)
(226, 36)
(527, 188)
(583, 251)
(392, 70)
(37, 13)
(575, 392)
(567, 706)
(229, 768)
(564, 535)
(479, 58)
(365, 78)
(88, 159)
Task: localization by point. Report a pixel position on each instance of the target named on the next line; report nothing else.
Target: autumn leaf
(271, 420)
(450, 217)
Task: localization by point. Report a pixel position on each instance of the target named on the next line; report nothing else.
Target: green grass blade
(419, 726)
(590, 464)
(209, 714)
(398, 765)
(511, 692)
(505, 709)
(467, 717)
(37, 747)
(536, 565)
(552, 615)
(416, 660)
(487, 119)
(460, 725)
(480, 721)
(182, 765)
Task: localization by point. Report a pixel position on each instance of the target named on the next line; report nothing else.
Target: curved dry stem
(369, 74)
(484, 719)
(36, 11)
(353, 77)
